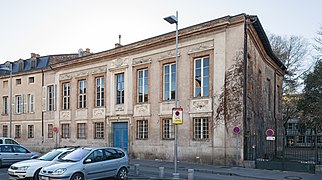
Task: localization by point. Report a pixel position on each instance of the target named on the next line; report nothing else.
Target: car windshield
(50, 155)
(76, 155)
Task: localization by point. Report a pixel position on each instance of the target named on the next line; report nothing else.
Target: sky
(48, 27)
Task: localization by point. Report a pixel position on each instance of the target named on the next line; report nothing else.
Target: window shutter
(24, 104)
(44, 98)
(54, 96)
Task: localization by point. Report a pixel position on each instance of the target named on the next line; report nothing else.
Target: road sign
(269, 132)
(177, 115)
(236, 130)
(55, 129)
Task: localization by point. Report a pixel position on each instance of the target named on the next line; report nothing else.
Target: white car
(29, 169)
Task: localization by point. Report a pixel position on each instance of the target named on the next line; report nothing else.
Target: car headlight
(23, 168)
(59, 171)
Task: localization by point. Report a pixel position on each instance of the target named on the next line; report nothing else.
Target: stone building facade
(228, 78)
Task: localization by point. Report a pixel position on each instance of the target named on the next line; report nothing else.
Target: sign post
(55, 130)
(236, 130)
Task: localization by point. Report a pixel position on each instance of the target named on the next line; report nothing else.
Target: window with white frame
(66, 96)
(19, 104)
(142, 85)
(99, 130)
(51, 97)
(201, 77)
(31, 104)
(30, 131)
(120, 88)
(169, 81)
(167, 129)
(200, 128)
(65, 131)
(31, 80)
(5, 105)
(50, 133)
(99, 98)
(17, 131)
(82, 94)
(5, 131)
(33, 64)
(142, 129)
(81, 130)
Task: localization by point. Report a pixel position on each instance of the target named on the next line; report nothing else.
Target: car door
(93, 165)
(21, 153)
(7, 155)
(112, 162)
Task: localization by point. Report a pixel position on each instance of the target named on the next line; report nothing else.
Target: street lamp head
(171, 19)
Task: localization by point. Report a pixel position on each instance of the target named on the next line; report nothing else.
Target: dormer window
(21, 65)
(33, 64)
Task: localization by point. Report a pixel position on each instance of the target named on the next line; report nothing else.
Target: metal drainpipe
(275, 113)
(245, 84)
(42, 112)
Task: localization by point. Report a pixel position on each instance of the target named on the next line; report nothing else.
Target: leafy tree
(310, 104)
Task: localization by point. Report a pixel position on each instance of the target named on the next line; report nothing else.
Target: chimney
(88, 50)
(33, 55)
(117, 45)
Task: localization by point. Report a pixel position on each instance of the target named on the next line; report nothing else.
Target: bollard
(137, 169)
(161, 172)
(175, 175)
(191, 174)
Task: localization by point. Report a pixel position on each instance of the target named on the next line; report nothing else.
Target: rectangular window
(66, 96)
(99, 98)
(5, 131)
(5, 84)
(200, 128)
(5, 105)
(300, 139)
(81, 131)
(120, 88)
(17, 131)
(31, 105)
(19, 104)
(51, 97)
(50, 131)
(201, 77)
(99, 130)
(143, 86)
(167, 129)
(142, 129)
(65, 130)
(268, 94)
(30, 131)
(31, 80)
(82, 94)
(169, 81)
(18, 81)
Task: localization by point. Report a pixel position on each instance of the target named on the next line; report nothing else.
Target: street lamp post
(174, 19)
(10, 96)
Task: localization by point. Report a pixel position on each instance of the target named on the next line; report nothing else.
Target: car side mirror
(88, 161)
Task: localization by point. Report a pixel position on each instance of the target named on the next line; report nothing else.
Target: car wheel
(122, 174)
(36, 175)
(77, 176)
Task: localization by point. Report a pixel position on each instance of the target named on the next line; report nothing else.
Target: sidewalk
(229, 171)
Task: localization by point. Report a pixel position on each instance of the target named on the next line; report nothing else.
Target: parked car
(6, 140)
(89, 163)
(29, 169)
(11, 153)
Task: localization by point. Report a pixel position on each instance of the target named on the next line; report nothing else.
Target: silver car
(89, 163)
(11, 153)
(29, 169)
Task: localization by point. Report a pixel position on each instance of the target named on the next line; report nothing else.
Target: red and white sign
(177, 115)
(269, 132)
(236, 130)
(55, 129)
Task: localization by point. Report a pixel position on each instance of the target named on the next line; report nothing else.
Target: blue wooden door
(120, 132)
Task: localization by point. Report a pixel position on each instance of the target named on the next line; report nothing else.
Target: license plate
(44, 178)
